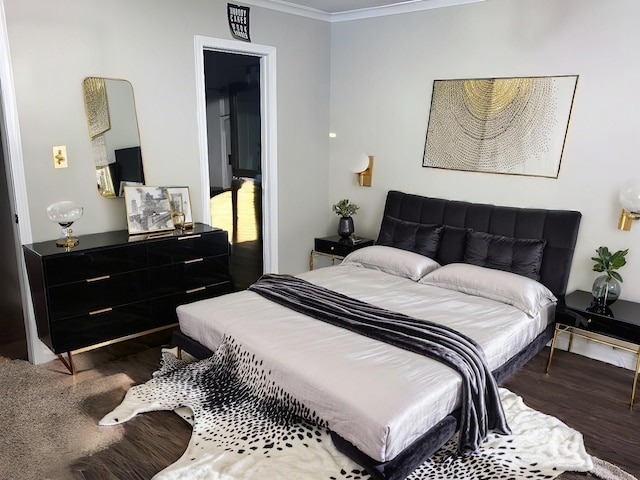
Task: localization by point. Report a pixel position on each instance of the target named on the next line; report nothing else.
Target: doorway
(235, 168)
(13, 336)
(266, 57)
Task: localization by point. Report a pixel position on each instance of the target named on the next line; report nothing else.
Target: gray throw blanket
(481, 407)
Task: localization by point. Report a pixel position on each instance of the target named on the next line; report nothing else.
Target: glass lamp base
(67, 242)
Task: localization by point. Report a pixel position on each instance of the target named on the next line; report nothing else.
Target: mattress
(376, 396)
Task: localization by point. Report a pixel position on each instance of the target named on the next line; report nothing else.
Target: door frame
(16, 181)
(268, 111)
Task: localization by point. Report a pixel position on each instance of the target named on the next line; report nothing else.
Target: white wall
(382, 73)
(55, 45)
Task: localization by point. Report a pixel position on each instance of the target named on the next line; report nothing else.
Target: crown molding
(404, 7)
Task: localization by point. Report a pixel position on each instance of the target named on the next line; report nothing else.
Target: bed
(493, 273)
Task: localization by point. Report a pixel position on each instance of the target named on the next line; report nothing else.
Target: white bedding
(376, 396)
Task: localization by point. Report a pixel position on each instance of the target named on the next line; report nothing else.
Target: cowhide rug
(245, 427)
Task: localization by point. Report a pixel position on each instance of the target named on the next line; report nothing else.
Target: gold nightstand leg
(311, 260)
(553, 346)
(635, 380)
(570, 342)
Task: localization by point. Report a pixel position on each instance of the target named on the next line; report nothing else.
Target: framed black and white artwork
(148, 209)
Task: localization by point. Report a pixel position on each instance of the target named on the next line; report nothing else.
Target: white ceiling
(341, 10)
(342, 6)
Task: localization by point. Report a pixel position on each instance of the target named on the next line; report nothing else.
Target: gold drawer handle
(97, 279)
(190, 236)
(195, 260)
(194, 290)
(104, 310)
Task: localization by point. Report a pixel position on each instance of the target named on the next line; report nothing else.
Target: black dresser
(113, 286)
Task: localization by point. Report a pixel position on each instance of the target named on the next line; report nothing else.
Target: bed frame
(560, 230)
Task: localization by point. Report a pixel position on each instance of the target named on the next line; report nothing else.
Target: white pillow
(395, 261)
(523, 293)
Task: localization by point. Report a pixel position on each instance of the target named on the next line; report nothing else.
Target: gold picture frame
(180, 204)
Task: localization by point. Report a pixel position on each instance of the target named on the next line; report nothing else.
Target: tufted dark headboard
(558, 227)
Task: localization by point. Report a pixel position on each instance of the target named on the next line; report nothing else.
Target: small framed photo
(180, 203)
(148, 209)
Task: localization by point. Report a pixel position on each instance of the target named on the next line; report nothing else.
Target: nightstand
(619, 322)
(336, 247)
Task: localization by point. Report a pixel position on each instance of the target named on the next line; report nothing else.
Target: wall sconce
(630, 201)
(365, 176)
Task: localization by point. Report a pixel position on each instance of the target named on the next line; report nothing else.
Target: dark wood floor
(588, 395)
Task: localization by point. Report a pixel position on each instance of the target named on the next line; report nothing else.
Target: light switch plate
(60, 156)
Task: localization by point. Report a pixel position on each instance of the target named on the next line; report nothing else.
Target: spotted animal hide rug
(246, 427)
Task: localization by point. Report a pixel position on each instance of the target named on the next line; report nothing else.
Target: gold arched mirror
(113, 130)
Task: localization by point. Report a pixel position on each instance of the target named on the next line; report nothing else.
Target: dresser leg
(68, 362)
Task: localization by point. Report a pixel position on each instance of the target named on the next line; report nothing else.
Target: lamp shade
(630, 196)
(65, 212)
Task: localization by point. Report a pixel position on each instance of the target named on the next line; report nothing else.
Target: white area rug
(245, 427)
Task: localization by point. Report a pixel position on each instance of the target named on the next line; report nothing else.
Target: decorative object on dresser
(606, 288)
(180, 204)
(337, 247)
(630, 200)
(148, 209)
(65, 213)
(580, 315)
(345, 210)
(113, 287)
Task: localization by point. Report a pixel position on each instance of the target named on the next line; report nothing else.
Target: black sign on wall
(239, 21)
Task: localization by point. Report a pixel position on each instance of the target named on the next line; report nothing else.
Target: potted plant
(606, 288)
(345, 209)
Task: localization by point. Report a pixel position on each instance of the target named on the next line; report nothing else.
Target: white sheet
(376, 396)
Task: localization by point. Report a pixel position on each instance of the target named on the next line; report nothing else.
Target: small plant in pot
(345, 209)
(606, 288)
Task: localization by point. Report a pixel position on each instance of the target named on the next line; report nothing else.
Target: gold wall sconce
(630, 200)
(365, 176)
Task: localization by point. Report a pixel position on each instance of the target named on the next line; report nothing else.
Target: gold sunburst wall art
(514, 125)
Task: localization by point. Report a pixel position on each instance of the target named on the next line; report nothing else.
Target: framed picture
(515, 126)
(148, 209)
(180, 203)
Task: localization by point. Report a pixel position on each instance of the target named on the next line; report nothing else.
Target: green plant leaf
(616, 275)
(617, 259)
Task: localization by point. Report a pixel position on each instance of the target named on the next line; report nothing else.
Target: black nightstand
(337, 247)
(578, 315)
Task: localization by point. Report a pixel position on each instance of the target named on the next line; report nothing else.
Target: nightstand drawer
(339, 246)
